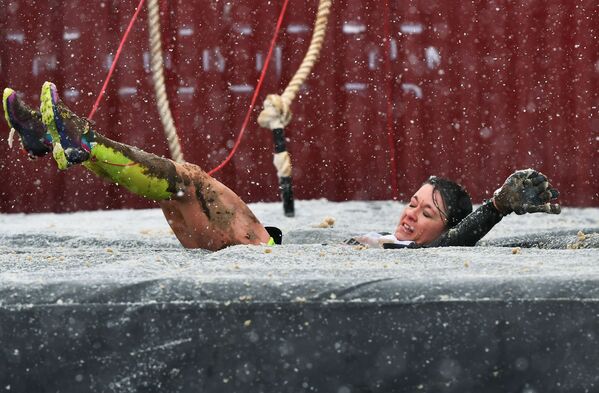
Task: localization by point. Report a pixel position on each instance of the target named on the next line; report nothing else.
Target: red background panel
(473, 91)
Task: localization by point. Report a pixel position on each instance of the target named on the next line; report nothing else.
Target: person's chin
(402, 236)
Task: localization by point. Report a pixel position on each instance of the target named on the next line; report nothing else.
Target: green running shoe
(71, 135)
(36, 142)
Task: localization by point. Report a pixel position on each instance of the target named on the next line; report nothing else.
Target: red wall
(514, 85)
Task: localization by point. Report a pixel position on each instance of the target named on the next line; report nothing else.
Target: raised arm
(525, 191)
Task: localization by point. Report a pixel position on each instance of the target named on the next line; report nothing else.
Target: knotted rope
(156, 65)
(277, 113)
(276, 108)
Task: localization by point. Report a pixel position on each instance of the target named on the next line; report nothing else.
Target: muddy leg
(207, 214)
(202, 212)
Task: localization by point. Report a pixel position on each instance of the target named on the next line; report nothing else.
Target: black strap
(392, 246)
(279, 139)
(275, 233)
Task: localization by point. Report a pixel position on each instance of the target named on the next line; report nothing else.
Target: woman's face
(421, 221)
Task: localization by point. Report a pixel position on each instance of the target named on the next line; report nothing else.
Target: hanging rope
(276, 114)
(246, 120)
(389, 108)
(156, 65)
(109, 76)
(276, 110)
(116, 58)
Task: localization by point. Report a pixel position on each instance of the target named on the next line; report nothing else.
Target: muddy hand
(526, 191)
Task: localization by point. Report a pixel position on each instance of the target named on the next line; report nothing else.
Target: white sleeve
(376, 240)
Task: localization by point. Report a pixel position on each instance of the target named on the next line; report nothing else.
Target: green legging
(142, 173)
(201, 211)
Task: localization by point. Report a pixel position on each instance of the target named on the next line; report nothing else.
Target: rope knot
(282, 162)
(276, 112)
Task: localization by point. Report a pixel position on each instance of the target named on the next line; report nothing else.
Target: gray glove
(526, 191)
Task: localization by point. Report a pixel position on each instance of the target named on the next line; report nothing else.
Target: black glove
(526, 191)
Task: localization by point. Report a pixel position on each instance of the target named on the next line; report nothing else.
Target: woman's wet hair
(457, 201)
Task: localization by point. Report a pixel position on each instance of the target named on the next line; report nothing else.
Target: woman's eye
(427, 215)
(411, 205)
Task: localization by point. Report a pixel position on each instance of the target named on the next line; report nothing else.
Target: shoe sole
(7, 93)
(48, 118)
